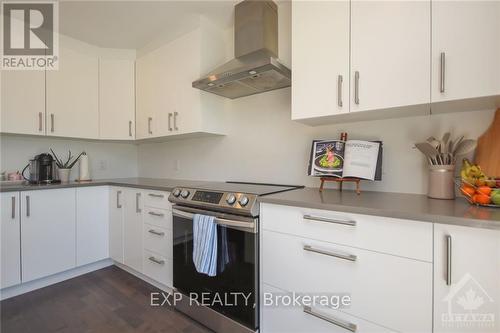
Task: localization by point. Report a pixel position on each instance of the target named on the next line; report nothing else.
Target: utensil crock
(441, 182)
(64, 175)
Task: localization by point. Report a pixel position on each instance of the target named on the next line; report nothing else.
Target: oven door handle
(247, 226)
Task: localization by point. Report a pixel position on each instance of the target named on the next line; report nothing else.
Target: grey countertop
(396, 205)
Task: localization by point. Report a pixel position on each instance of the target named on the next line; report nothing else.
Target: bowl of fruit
(478, 188)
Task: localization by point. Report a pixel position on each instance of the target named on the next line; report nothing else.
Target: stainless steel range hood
(256, 68)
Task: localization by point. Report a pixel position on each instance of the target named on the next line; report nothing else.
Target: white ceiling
(133, 24)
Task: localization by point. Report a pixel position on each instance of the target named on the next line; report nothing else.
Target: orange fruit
(486, 190)
(468, 190)
(482, 199)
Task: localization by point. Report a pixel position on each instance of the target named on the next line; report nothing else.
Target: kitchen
(148, 138)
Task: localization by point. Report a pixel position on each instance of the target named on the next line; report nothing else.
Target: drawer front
(157, 199)
(157, 267)
(405, 238)
(157, 240)
(294, 319)
(158, 217)
(388, 290)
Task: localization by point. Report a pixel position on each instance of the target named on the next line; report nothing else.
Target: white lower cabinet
(466, 279)
(132, 228)
(48, 232)
(10, 233)
(92, 224)
(116, 214)
(327, 253)
(158, 267)
(299, 319)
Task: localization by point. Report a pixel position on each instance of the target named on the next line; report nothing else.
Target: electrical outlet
(103, 165)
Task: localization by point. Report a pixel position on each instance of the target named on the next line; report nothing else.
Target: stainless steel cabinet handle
(28, 208)
(175, 121)
(356, 87)
(442, 72)
(340, 80)
(130, 128)
(149, 125)
(350, 257)
(156, 214)
(118, 205)
(156, 195)
(156, 261)
(137, 209)
(337, 322)
(170, 121)
(448, 260)
(13, 213)
(52, 122)
(157, 233)
(324, 219)
(40, 127)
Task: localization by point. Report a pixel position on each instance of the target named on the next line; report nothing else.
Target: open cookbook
(351, 158)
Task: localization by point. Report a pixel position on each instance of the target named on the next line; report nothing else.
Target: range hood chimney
(256, 68)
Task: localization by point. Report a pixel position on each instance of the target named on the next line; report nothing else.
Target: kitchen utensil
(428, 150)
(488, 148)
(465, 147)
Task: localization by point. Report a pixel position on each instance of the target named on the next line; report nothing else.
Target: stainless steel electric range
(227, 302)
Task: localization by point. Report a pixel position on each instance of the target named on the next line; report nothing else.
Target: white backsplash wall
(107, 160)
(264, 145)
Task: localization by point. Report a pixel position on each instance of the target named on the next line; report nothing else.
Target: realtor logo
(29, 38)
(469, 306)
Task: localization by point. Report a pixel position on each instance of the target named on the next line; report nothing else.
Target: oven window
(238, 277)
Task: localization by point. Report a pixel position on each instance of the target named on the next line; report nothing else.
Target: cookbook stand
(343, 137)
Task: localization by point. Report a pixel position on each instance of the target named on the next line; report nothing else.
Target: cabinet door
(320, 54)
(132, 230)
(466, 279)
(72, 95)
(116, 215)
(92, 224)
(147, 93)
(48, 232)
(390, 47)
(116, 99)
(10, 267)
(23, 102)
(467, 33)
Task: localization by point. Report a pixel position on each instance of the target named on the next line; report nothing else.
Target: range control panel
(209, 197)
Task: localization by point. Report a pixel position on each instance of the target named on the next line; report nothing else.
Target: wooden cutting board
(488, 149)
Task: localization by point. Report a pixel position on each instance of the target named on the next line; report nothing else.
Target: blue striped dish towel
(205, 244)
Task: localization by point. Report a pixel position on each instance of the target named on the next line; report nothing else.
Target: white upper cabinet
(23, 102)
(465, 49)
(72, 92)
(390, 47)
(466, 279)
(320, 58)
(116, 99)
(167, 104)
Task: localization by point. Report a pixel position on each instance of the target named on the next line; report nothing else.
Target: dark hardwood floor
(108, 300)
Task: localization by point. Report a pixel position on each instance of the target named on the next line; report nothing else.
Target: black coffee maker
(42, 170)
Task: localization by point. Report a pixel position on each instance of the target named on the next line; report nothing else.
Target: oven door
(239, 276)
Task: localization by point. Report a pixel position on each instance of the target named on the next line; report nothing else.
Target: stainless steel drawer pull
(149, 125)
(13, 213)
(339, 90)
(156, 195)
(156, 214)
(52, 122)
(137, 209)
(157, 233)
(28, 208)
(337, 322)
(328, 220)
(118, 205)
(350, 257)
(442, 72)
(356, 87)
(448, 260)
(40, 127)
(175, 121)
(170, 121)
(156, 261)
(130, 128)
